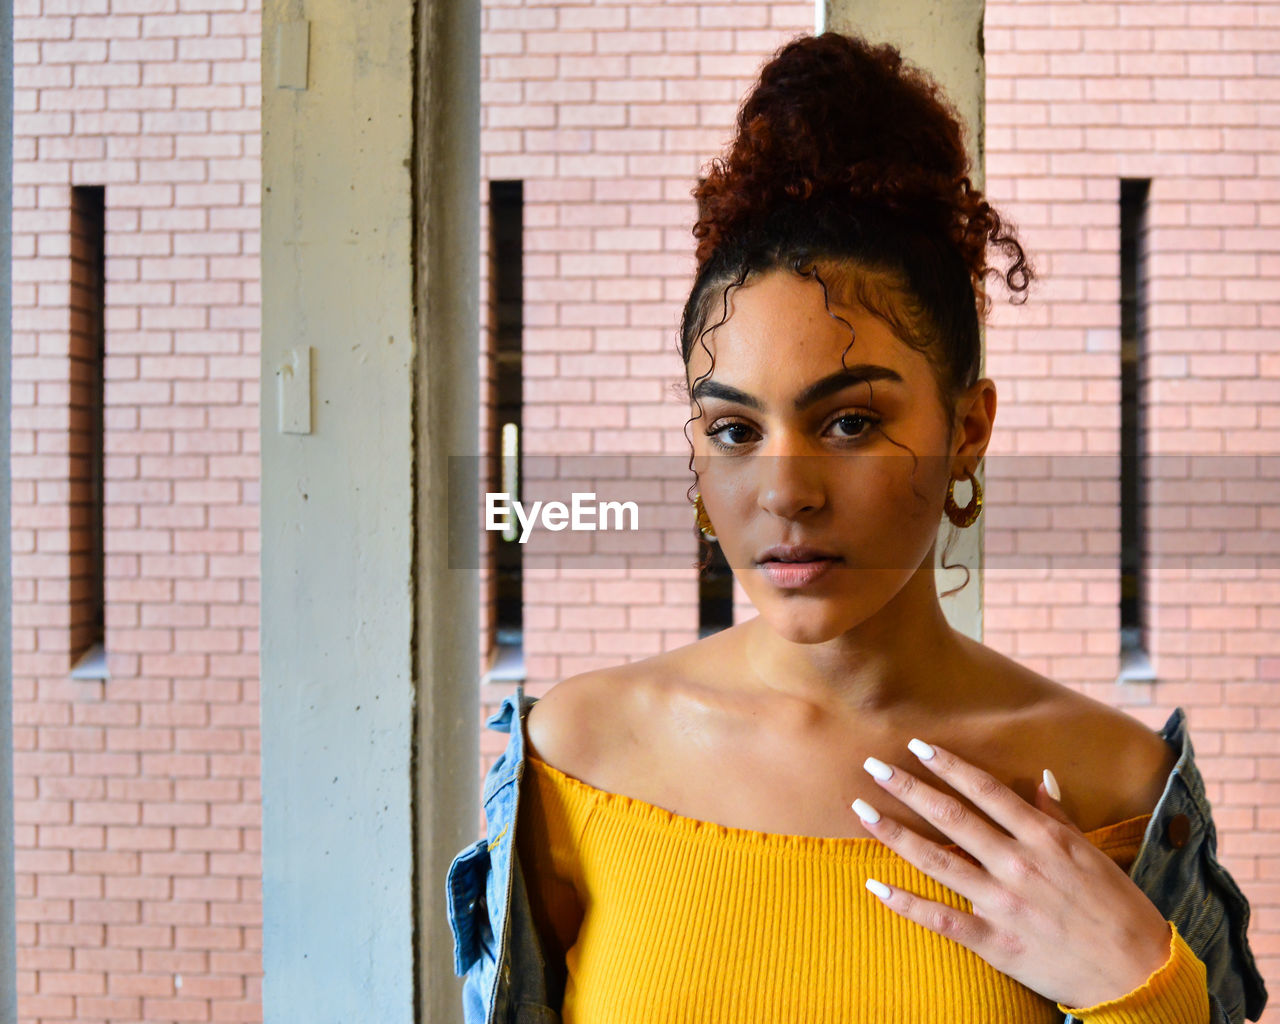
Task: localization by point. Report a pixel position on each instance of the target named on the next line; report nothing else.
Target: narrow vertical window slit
(506, 309)
(1135, 662)
(86, 449)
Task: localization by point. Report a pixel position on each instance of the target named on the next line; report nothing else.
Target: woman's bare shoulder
(583, 719)
(1118, 767)
(1110, 765)
(604, 726)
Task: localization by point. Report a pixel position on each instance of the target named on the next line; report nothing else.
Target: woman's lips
(792, 575)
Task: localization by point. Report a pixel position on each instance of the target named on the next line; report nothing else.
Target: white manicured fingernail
(921, 749)
(865, 811)
(877, 769)
(1051, 785)
(879, 888)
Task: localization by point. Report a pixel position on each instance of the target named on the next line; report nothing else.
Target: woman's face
(789, 451)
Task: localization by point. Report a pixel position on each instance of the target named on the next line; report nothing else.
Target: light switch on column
(293, 46)
(293, 392)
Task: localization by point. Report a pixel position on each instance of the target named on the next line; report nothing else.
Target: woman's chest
(769, 782)
(724, 926)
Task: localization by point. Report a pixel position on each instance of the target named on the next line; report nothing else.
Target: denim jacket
(508, 981)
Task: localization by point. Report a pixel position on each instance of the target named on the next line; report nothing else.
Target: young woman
(843, 810)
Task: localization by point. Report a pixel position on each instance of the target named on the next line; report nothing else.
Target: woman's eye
(730, 436)
(865, 423)
(715, 435)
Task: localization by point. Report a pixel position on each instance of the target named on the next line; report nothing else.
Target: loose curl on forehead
(909, 278)
(849, 168)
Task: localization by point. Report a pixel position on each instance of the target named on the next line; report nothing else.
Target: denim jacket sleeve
(496, 947)
(1177, 867)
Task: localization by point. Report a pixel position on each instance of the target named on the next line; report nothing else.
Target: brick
(108, 912)
(208, 938)
(52, 1007)
(134, 889)
(80, 51)
(142, 985)
(112, 1007)
(178, 912)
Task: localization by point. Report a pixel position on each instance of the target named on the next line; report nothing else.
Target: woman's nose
(789, 484)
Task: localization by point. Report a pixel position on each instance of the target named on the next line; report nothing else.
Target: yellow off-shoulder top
(665, 919)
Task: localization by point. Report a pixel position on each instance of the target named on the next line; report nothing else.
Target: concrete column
(8, 937)
(945, 38)
(446, 372)
(370, 375)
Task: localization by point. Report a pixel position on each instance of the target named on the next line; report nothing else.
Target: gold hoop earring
(702, 519)
(968, 515)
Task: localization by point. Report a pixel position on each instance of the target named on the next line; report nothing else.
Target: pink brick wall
(137, 797)
(1186, 94)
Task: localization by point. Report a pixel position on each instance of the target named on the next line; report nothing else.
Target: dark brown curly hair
(849, 167)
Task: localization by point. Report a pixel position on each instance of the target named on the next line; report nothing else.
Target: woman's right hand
(1050, 909)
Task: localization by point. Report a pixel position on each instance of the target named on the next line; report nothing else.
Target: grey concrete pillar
(446, 372)
(945, 38)
(369, 656)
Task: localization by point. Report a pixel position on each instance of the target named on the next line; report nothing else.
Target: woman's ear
(975, 417)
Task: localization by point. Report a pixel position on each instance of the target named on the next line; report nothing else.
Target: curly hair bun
(840, 122)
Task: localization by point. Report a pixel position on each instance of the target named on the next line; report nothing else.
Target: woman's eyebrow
(859, 373)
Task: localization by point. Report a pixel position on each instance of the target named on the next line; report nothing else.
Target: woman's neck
(906, 655)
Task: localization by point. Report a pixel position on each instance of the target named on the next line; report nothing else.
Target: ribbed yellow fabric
(1176, 992)
(664, 918)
